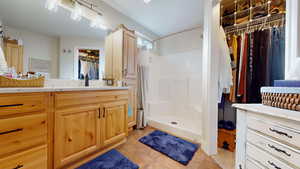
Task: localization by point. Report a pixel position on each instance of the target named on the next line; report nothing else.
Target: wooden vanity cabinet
(24, 120)
(77, 133)
(114, 122)
(59, 130)
(85, 129)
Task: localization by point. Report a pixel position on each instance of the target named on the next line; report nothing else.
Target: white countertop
(57, 89)
(271, 111)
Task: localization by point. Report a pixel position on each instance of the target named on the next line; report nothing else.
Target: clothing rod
(259, 22)
(275, 23)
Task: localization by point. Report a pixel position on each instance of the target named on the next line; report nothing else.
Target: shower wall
(175, 81)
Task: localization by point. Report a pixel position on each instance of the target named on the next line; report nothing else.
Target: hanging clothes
(242, 89)
(258, 58)
(225, 72)
(234, 51)
(276, 56)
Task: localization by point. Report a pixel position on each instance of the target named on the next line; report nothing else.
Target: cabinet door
(118, 55)
(132, 91)
(114, 123)
(77, 133)
(14, 56)
(129, 55)
(108, 57)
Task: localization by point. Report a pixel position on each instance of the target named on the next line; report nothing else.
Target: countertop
(57, 89)
(271, 111)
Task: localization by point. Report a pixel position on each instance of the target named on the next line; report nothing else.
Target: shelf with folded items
(252, 12)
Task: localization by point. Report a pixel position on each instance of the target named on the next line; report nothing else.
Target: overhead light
(147, 1)
(97, 22)
(76, 12)
(52, 5)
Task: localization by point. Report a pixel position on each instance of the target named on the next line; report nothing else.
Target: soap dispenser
(86, 80)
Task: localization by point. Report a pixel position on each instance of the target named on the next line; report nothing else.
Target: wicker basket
(285, 99)
(8, 82)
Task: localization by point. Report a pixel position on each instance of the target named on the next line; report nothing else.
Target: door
(14, 56)
(109, 57)
(77, 133)
(129, 55)
(114, 123)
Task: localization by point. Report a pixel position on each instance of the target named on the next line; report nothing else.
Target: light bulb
(76, 12)
(147, 1)
(97, 23)
(52, 5)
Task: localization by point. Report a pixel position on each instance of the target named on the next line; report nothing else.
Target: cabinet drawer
(275, 148)
(251, 164)
(69, 99)
(35, 158)
(282, 133)
(21, 133)
(21, 103)
(265, 158)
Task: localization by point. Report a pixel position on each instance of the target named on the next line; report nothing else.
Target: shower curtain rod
(186, 30)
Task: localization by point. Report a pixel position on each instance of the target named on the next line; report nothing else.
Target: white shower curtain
(141, 119)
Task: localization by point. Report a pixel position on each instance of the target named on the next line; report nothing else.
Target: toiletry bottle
(86, 79)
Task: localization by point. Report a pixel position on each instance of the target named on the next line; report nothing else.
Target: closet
(255, 31)
(121, 65)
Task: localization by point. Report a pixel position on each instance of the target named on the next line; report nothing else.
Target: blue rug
(174, 147)
(110, 160)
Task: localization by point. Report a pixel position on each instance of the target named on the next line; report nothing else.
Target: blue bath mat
(174, 147)
(110, 160)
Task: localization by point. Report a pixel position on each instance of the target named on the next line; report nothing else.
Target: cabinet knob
(273, 165)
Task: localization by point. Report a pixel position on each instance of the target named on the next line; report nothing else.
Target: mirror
(36, 39)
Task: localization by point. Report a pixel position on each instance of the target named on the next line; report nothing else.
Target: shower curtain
(141, 119)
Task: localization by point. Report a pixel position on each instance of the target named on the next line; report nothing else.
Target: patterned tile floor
(148, 158)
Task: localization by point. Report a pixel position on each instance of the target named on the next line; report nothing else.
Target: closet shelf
(260, 22)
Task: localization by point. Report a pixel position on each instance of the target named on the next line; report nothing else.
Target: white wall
(66, 60)
(38, 46)
(182, 42)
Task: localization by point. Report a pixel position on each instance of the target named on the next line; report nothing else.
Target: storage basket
(281, 97)
(9, 82)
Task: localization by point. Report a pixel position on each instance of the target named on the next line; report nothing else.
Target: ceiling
(163, 17)
(32, 15)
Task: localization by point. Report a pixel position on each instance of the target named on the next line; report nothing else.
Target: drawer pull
(11, 131)
(279, 150)
(274, 165)
(11, 105)
(18, 166)
(99, 113)
(280, 133)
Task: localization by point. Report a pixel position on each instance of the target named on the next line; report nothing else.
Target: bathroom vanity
(45, 128)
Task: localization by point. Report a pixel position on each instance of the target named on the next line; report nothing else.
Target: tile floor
(225, 158)
(148, 158)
